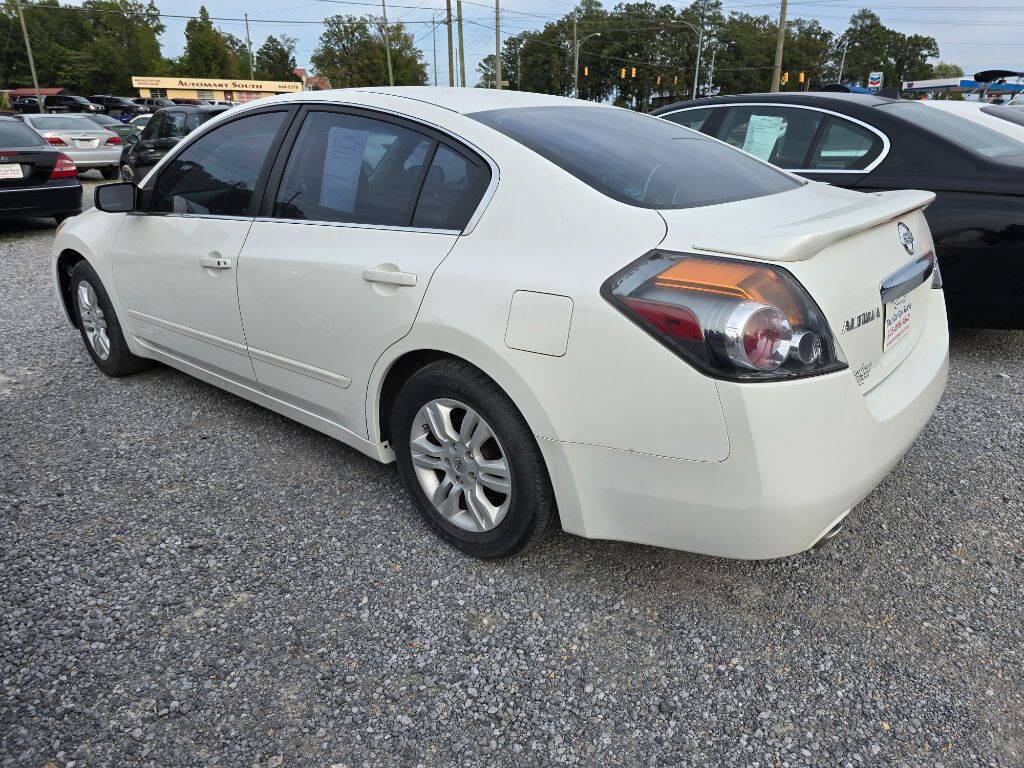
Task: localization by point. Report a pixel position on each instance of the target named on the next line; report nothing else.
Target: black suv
(115, 106)
(65, 102)
(165, 129)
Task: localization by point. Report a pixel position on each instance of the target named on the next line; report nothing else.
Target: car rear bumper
(41, 201)
(801, 455)
(95, 158)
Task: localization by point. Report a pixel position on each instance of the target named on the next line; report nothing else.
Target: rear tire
(111, 173)
(101, 331)
(471, 443)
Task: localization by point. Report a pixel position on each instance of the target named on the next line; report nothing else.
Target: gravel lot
(190, 580)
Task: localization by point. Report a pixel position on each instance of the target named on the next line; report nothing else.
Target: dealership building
(219, 89)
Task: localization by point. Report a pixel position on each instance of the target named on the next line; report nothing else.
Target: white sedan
(1004, 119)
(546, 310)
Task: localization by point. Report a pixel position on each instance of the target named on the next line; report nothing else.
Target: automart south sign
(214, 84)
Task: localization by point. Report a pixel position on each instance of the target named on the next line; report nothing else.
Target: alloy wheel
(93, 322)
(460, 464)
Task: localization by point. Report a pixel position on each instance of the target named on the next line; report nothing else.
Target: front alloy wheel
(94, 325)
(461, 465)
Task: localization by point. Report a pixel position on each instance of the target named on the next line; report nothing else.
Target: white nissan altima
(545, 310)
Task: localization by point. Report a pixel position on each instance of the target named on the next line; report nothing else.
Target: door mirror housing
(115, 198)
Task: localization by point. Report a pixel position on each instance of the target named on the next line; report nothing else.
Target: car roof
(460, 100)
(806, 98)
(215, 108)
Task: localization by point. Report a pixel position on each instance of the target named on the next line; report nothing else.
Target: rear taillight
(114, 140)
(732, 319)
(64, 168)
(57, 141)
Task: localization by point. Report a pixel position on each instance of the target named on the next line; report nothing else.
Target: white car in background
(88, 144)
(1007, 120)
(545, 309)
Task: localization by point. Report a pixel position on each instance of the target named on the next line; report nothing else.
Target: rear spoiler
(800, 240)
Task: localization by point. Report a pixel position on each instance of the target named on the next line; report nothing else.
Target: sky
(986, 35)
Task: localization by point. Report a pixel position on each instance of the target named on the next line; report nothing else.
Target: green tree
(946, 69)
(351, 53)
(206, 51)
(275, 60)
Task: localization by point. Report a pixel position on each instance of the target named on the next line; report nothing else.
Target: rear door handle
(211, 262)
(389, 276)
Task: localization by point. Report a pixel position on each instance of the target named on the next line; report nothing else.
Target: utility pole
(575, 60)
(497, 44)
(248, 44)
(842, 62)
(700, 47)
(31, 61)
(779, 44)
(711, 72)
(433, 34)
(462, 52)
(451, 60)
(387, 44)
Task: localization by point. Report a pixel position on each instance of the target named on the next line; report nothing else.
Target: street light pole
(700, 45)
(248, 44)
(842, 61)
(31, 61)
(577, 44)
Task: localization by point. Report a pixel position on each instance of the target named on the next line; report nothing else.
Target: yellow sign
(217, 84)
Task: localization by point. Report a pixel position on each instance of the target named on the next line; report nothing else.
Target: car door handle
(389, 276)
(212, 262)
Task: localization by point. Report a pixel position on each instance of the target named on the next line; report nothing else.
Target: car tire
(127, 174)
(111, 173)
(99, 326)
(461, 463)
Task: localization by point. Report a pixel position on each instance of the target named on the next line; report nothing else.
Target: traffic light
(785, 78)
(586, 73)
(800, 77)
(675, 80)
(659, 80)
(632, 72)
(622, 73)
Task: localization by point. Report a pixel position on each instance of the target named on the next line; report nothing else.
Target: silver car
(85, 142)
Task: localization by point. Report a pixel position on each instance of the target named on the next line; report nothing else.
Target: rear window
(637, 159)
(14, 134)
(969, 135)
(1010, 114)
(61, 123)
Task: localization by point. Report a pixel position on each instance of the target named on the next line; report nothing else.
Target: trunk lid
(846, 248)
(34, 167)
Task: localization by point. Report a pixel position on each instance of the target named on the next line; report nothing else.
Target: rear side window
(693, 119)
(638, 159)
(218, 174)
(845, 146)
(781, 136)
(451, 191)
(172, 126)
(14, 134)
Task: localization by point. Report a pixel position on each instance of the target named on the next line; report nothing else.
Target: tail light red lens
(56, 141)
(732, 319)
(114, 140)
(64, 168)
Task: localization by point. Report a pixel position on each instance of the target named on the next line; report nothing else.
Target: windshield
(969, 135)
(638, 159)
(14, 134)
(61, 123)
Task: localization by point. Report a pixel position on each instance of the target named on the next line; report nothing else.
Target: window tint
(450, 192)
(14, 134)
(693, 119)
(780, 135)
(172, 126)
(637, 159)
(218, 173)
(151, 126)
(845, 146)
(969, 135)
(348, 168)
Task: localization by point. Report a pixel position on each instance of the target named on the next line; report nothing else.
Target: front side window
(845, 146)
(693, 119)
(218, 174)
(638, 159)
(351, 169)
(779, 135)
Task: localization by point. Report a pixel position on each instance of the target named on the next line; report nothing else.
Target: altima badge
(862, 319)
(906, 237)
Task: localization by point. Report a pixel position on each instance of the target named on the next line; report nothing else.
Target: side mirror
(115, 198)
